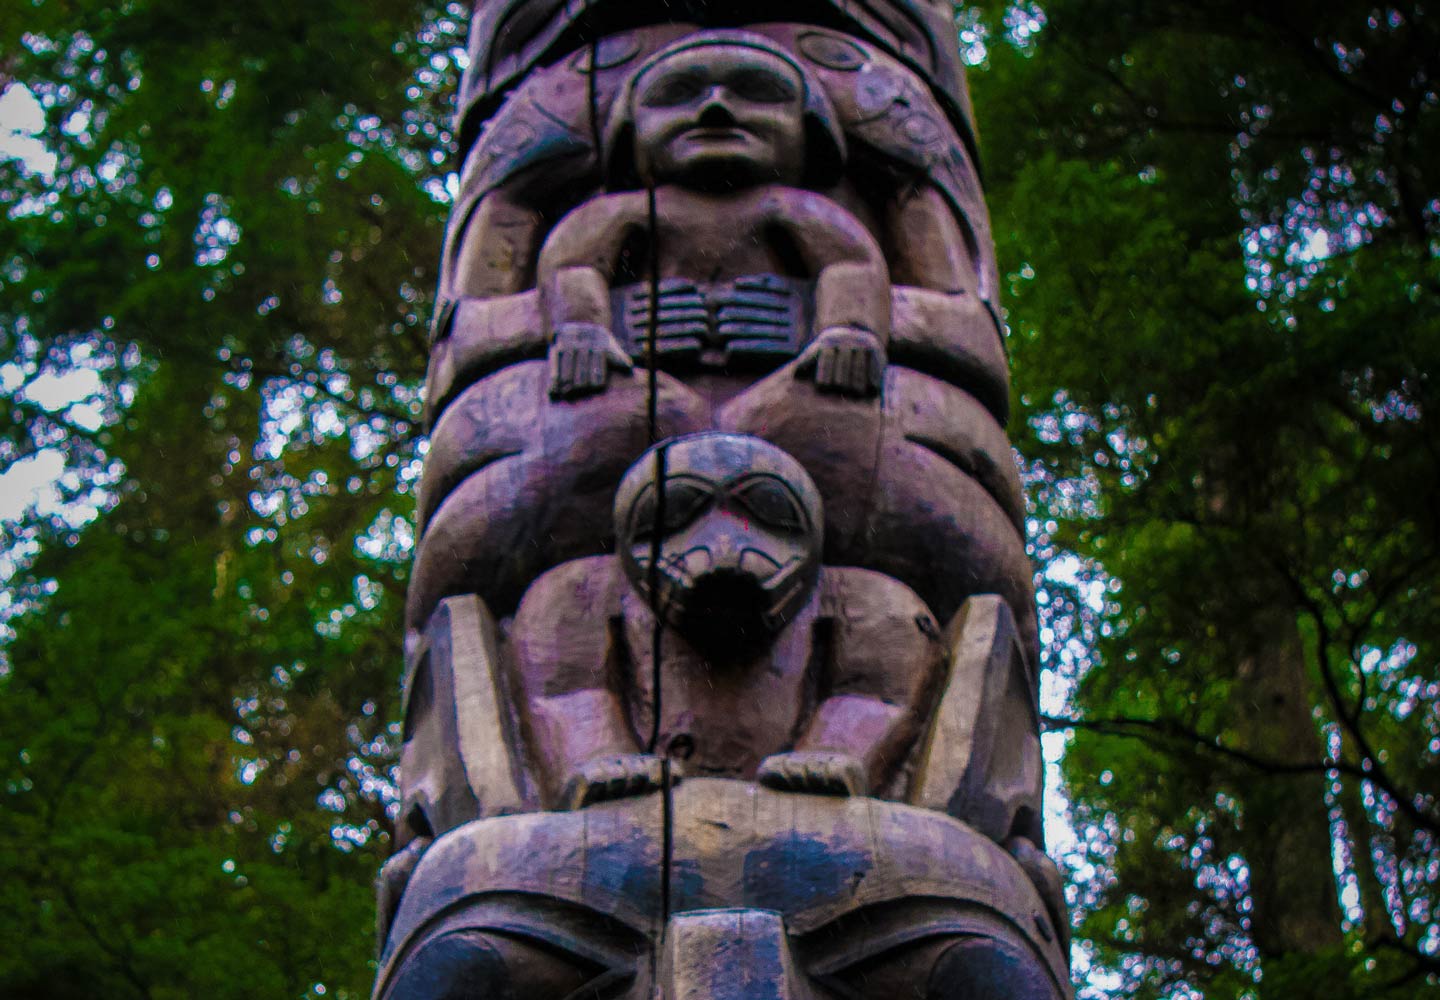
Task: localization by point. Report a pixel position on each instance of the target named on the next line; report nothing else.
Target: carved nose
(716, 113)
(724, 551)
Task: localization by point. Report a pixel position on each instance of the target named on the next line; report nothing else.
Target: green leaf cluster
(1222, 237)
(234, 247)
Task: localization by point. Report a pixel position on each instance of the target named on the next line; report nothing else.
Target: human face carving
(718, 117)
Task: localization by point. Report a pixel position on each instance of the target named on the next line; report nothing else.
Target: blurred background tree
(213, 308)
(1220, 226)
(1222, 222)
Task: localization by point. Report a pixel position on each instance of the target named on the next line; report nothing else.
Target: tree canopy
(1220, 226)
(238, 237)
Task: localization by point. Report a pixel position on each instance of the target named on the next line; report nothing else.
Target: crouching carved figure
(786, 686)
(721, 654)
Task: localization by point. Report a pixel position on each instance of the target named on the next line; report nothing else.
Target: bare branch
(1135, 728)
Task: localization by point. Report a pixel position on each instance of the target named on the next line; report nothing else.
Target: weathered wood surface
(721, 632)
(859, 884)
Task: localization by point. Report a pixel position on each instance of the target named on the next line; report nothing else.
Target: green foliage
(1222, 231)
(238, 239)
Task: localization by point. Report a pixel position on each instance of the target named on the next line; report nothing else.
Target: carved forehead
(719, 47)
(718, 60)
(716, 458)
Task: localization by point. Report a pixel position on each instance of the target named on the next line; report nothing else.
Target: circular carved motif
(510, 139)
(921, 130)
(875, 94)
(832, 52)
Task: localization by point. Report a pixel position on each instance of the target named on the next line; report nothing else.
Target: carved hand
(846, 360)
(820, 771)
(581, 358)
(617, 776)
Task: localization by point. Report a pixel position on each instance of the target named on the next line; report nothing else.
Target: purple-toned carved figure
(721, 670)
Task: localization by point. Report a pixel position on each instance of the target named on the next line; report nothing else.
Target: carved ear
(980, 761)
(458, 760)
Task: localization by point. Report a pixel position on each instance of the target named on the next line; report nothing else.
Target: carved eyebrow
(770, 500)
(762, 83)
(674, 87)
(686, 495)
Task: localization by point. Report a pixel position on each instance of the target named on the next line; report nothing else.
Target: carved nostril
(716, 113)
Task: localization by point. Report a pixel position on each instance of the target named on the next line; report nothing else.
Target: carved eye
(674, 89)
(762, 86)
(684, 501)
(771, 504)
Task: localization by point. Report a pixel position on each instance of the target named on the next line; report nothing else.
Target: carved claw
(581, 359)
(619, 776)
(846, 360)
(818, 771)
(390, 885)
(1046, 877)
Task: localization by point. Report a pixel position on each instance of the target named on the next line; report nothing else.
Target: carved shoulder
(560, 636)
(827, 232)
(592, 234)
(885, 638)
(588, 588)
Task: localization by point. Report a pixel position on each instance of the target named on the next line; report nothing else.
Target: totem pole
(721, 645)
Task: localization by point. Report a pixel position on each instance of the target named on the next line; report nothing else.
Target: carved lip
(708, 133)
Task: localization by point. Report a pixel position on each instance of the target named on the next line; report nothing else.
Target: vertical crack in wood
(652, 416)
(837, 606)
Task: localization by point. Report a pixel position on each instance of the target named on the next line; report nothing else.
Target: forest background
(1220, 225)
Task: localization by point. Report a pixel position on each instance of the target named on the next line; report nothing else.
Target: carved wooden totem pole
(721, 651)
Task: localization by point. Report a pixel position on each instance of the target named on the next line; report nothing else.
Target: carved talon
(818, 771)
(602, 779)
(1045, 876)
(846, 360)
(581, 358)
(391, 883)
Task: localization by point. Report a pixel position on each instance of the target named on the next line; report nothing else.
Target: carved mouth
(724, 609)
(710, 134)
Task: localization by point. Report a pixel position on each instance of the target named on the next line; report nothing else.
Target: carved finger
(577, 793)
(860, 371)
(829, 779)
(780, 777)
(844, 365)
(644, 780)
(616, 359)
(596, 373)
(825, 367)
(778, 772)
(561, 365)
